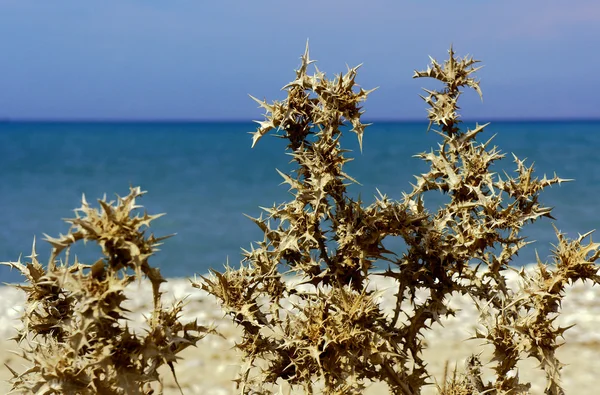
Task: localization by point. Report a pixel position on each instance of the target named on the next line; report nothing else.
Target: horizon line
(240, 120)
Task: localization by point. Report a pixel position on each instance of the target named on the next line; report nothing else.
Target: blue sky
(194, 59)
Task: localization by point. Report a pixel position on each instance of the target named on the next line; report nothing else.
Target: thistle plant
(75, 335)
(330, 328)
(327, 332)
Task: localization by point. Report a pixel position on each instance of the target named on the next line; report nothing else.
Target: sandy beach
(209, 368)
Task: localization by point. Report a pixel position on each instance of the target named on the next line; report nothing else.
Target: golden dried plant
(75, 333)
(330, 328)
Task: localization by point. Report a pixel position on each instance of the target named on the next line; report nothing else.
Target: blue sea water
(204, 176)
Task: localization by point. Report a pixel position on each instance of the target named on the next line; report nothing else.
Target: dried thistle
(75, 333)
(330, 327)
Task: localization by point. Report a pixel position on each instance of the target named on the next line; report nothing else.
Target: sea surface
(205, 176)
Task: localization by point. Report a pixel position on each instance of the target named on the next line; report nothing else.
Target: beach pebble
(210, 367)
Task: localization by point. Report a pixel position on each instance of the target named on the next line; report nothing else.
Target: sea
(205, 176)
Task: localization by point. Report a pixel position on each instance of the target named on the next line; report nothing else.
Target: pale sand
(209, 368)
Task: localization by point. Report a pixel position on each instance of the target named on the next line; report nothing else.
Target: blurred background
(98, 96)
